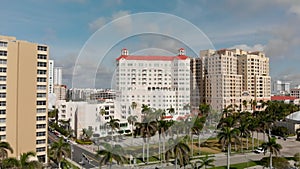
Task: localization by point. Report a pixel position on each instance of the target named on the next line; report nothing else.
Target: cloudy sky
(85, 36)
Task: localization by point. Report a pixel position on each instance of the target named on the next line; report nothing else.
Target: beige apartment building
(23, 91)
(222, 83)
(233, 75)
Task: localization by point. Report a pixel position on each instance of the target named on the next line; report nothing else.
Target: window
(3, 44)
(41, 110)
(42, 48)
(42, 64)
(3, 61)
(3, 69)
(2, 78)
(2, 95)
(41, 102)
(3, 53)
(41, 72)
(2, 112)
(2, 129)
(41, 118)
(2, 103)
(43, 133)
(38, 95)
(2, 120)
(43, 141)
(40, 56)
(2, 86)
(41, 126)
(41, 87)
(41, 79)
(2, 137)
(40, 149)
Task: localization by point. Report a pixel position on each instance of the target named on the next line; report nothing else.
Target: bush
(280, 131)
(84, 142)
(277, 162)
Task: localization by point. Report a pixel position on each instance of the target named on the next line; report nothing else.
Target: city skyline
(65, 26)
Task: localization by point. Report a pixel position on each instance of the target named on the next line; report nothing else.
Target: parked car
(259, 150)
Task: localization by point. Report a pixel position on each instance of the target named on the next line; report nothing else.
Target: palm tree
(272, 147)
(148, 129)
(102, 112)
(24, 162)
(113, 124)
(171, 110)
(181, 151)
(226, 136)
(245, 104)
(110, 153)
(244, 129)
(4, 147)
(197, 128)
(206, 162)
(204, 109)
(162, 127)
(59, 150)
(132, 120)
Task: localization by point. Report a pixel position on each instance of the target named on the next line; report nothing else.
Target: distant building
(50, 76)
(286, 99)
(57, 76)
(280, 88)
(60, 92)
(103, 95)
(295, 92)
(23, 96)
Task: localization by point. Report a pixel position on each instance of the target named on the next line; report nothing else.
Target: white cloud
(98, 23)
(256, 47)
(295, 10)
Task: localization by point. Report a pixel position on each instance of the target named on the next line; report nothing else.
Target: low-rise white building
(84, 115)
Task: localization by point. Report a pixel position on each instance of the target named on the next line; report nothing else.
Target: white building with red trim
(160, 82)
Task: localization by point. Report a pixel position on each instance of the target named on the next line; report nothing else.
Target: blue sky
(67, 25)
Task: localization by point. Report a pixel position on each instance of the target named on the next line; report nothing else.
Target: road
(77, 154)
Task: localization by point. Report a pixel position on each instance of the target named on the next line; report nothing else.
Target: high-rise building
(160, 82)
(280, 88)
(222, 83)
(57, 75)
(232, 75)
(23, 91)
(254, 66)
(51, 78)
(60, 92)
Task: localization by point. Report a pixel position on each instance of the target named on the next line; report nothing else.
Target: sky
(86, 36)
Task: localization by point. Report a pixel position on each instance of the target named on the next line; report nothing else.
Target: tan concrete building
(23, 91)
(254, 66)
(60, 92)
(222, 83)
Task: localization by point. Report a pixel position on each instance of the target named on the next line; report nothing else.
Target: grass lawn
(239, 166)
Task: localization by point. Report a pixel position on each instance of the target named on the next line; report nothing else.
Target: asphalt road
(77, 154)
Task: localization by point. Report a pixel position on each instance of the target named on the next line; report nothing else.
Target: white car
(259, 150)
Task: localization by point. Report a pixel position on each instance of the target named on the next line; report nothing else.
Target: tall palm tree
(181, 151)
(244, 128)
(4, 148)
(206, 162)
(162, 127)
(148, 129)
(226, 136)
(272, 147)
(132, 119)
(113, 124)
(197, 128)
(245, 104)
(59, 150)
(171, 110)
(24, 162)
(110, 153)
(204, 109)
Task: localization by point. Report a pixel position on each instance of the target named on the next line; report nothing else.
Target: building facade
(60, 92)
(160, 82)
(223, 84)
(57, 76)
(23, 91)
(50, 75)
(280, 88)
(296, 92)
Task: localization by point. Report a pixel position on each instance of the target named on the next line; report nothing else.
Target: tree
(110, 153)
(197, 128)
(59, 150)
(245, 104)
(297, 159)
(102, 112)
(181, 151)
(162, 127)
(204, 109)
(132, 120)
(206, 162)
(226, 136)
(24, 162)
(244, 129)
(171, 110)
(87, 133)
(113, 124)
(272, 147)
(4, 148)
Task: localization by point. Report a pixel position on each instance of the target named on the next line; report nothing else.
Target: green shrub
(84, 142)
